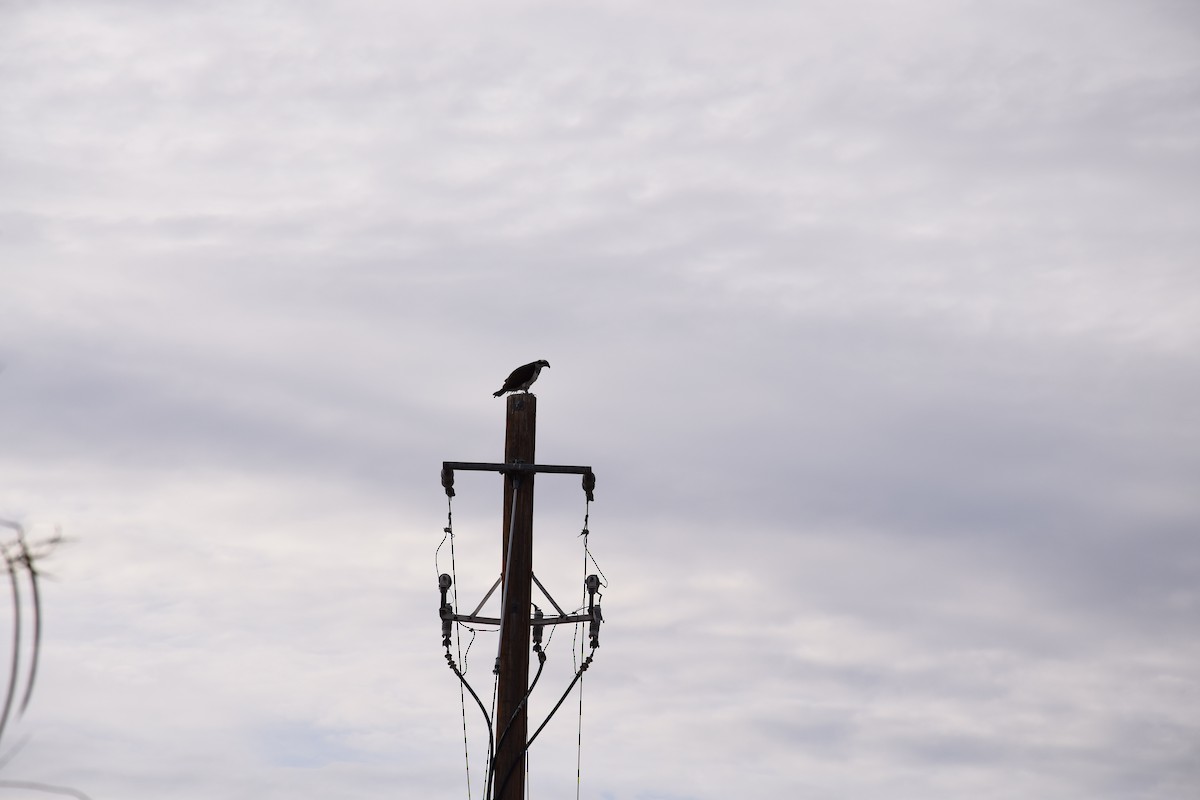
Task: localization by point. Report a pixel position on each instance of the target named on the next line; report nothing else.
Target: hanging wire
(579, 728)
(466, 653)
(487, 719)
(462, 698)
(578, 674)
(491, 765)
(575, 628)
(579, 745)
(494, 743)
(541, 655)
(587, 508)
(587, 551)
(464, 685)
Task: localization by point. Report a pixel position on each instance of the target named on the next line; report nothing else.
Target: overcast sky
(879, 323)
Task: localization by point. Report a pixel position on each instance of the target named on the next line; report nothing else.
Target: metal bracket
(446, 612)
(517, 468)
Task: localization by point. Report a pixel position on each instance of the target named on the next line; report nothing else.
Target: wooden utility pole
(513, 661)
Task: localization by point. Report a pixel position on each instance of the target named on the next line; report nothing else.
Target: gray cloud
(877, 324)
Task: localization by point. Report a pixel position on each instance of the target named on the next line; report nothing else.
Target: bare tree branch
(27, 560)
(16, 644)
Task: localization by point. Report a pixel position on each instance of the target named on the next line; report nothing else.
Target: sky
(878, 322)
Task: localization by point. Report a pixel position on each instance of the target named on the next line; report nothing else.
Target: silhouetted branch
(16, 646)
(21, 555)
(28, 561)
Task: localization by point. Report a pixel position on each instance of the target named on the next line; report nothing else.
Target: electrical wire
(487, 719)
(494, 743)
(578, 674)
(587, 555)
(579, 728)
(462, 700)
(517, 711)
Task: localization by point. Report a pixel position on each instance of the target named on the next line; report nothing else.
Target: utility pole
(512, 662)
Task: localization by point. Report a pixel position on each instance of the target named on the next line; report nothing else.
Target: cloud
(876, 324)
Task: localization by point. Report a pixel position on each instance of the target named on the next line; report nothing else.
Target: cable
(512, 522)
(579, 674)
(575, 628)
(516, 712)
(587, 552)
(592, 584)
(462, 700)
(462, 679)
(579, 728)
(579, 745)
(491, 765)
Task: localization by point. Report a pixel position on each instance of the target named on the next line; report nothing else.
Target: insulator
(593, 584)
(448, 481)
(594, 627)
(589, 485)
(445, 611)
(538, 629)
(447, 615)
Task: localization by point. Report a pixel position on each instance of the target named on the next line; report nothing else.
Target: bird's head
(544, 363)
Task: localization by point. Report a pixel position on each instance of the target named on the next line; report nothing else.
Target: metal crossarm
(515, 467)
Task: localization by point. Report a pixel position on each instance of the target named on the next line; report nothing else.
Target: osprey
(522, 377)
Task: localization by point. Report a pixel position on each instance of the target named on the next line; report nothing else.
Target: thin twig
(16, 645)
(27, 560)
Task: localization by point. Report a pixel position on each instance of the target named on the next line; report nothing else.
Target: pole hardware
(538, 619)
(518, 628)
(594, 616)
(518, 468)
(446, 611)
(538, 628)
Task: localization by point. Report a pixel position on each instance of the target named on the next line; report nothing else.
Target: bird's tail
(497, 394)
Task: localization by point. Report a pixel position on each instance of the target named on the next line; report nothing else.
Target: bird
(521, 377)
